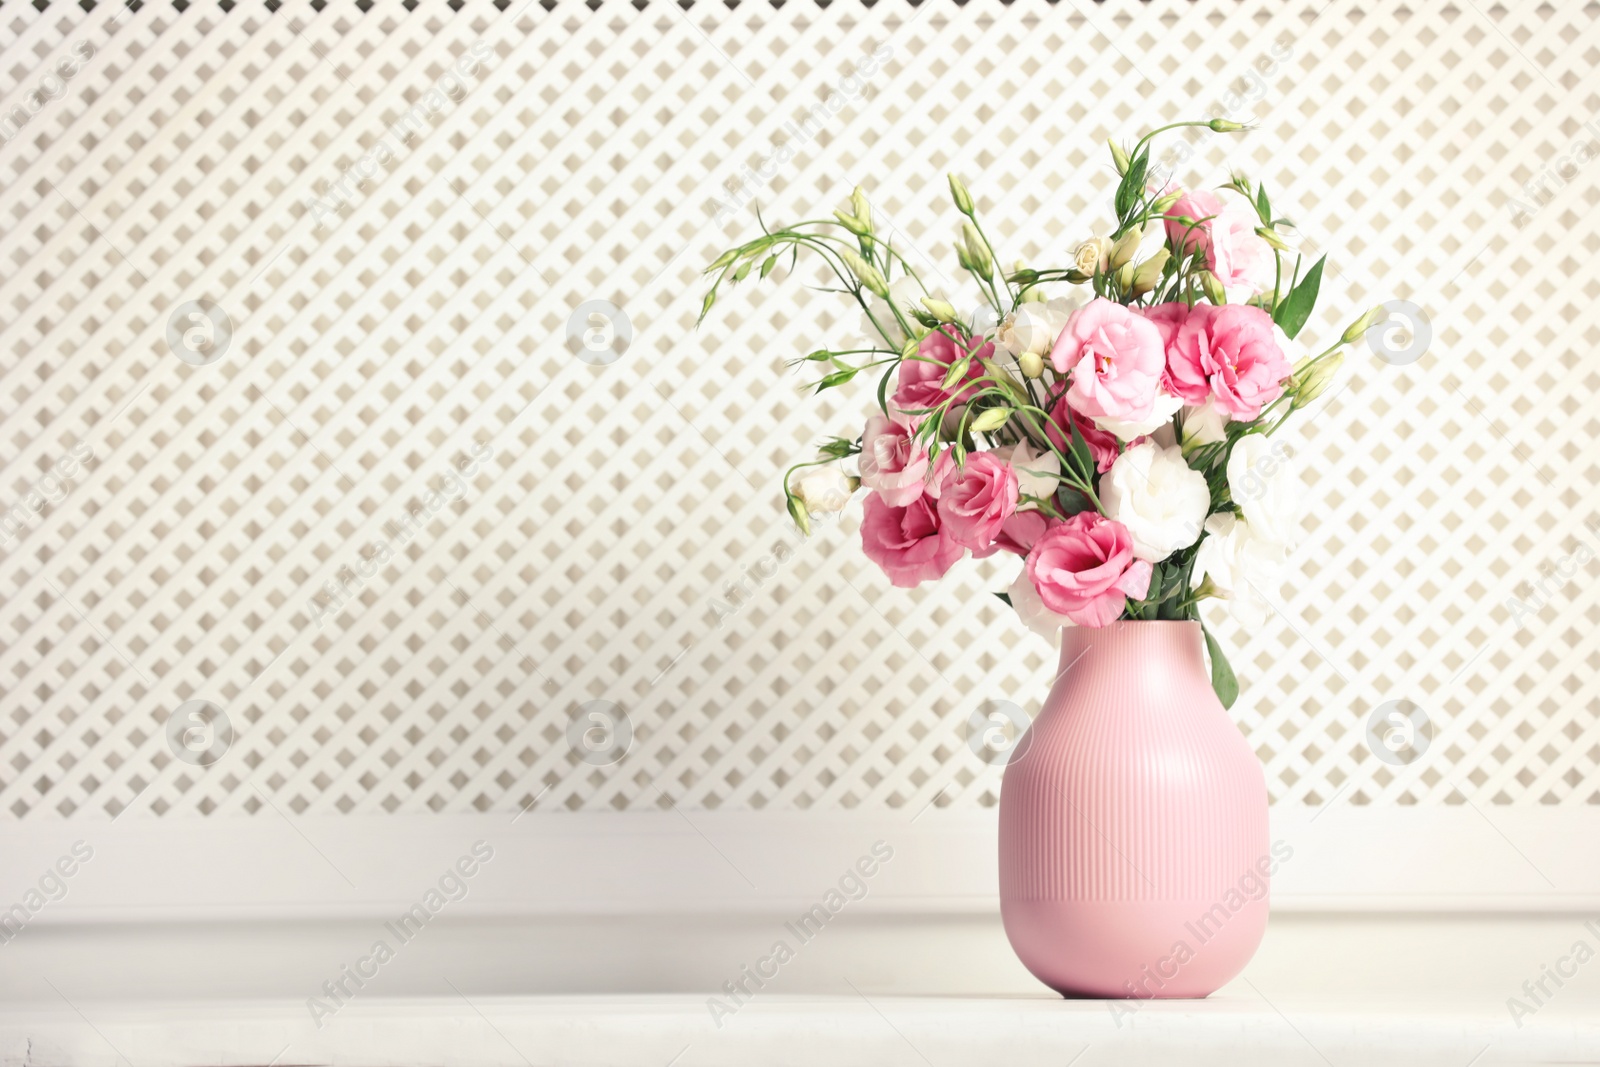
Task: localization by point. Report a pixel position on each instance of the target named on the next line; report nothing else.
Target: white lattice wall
(585, 160)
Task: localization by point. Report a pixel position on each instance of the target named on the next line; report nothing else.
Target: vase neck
(1173, 644)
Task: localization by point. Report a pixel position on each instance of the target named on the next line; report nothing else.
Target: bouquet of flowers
(1117, 436)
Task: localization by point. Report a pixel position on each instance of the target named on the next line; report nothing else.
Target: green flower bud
(977, 251)
(1226, 126)
(723, 260)
(1126, 246)
(1031, 364)
(991, 419)
(963, 199)
(1148, 274)
(940, 310)
(797, 512)
(1160, 206)
(957, 371)
(1118, 156)
(865, 273)
(861, 207)
(1358, 328)
(1311, 377)
(853, 224)
(1271, 237)
(1211, 285)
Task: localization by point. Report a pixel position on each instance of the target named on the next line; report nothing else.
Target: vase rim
(1120, 624)
(1181, 636)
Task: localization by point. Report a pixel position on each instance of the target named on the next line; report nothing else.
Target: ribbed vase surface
(1134, 858)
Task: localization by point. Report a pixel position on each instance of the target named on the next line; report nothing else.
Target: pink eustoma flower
(1085, 569)
(1233, 354)
(1168, 319)
(1102, 443)
(891, 462)
(1240, 258)
(907, 542)
(1116, 360)
(977, 498)
(920, 380)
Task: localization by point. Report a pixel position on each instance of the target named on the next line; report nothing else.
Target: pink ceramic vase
(1133, 823)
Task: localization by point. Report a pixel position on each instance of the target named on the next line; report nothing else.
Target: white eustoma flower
(823, 490)
(1034, 326)
(1155, 494)
(1240, 566)
(1263, 482)
(1093, 255)
(1161, 411)
(1037, 472)
(1031, 610)
(1205, 424)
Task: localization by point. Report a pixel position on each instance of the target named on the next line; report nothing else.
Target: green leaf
(1263, 205)
(1082, 458)
(1222, 679)
(1071, 501)
(1132, 186)
(1006, 597)
(1296, 307)
(883, 386)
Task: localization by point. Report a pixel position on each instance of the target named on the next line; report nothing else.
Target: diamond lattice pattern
(397, 247)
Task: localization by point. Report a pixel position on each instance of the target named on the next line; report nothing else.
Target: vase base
(1146, 950)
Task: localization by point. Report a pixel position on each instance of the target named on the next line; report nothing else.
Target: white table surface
(1237, 1026)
